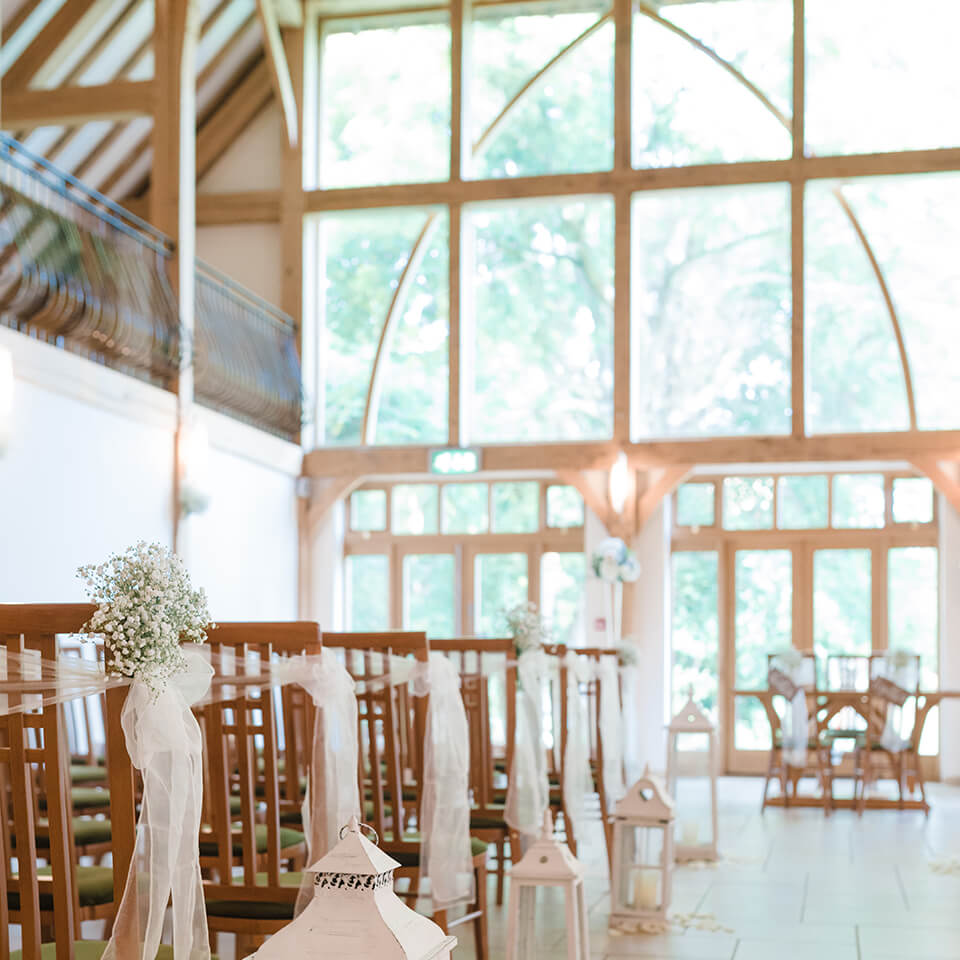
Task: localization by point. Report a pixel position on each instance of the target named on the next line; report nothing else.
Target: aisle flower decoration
(527, 627)
(147, 608)
(613, 562)
(615, 565)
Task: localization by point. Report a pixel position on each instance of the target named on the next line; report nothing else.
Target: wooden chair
(489, 698)
(818, 747)
(251, 862)
(49, 902)
(392, 728)
(893, 712)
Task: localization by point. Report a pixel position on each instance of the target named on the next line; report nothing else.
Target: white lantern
(691, 755)
(355, 913)
(547, 863)
(642, 874)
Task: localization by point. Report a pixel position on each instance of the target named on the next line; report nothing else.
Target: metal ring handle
(362, 827)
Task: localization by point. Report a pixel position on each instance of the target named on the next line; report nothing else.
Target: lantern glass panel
(642, 868)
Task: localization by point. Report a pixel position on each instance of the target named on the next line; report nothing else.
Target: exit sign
(455, 460)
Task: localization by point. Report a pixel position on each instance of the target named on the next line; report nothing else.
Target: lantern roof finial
(690, 718)
(355, 854)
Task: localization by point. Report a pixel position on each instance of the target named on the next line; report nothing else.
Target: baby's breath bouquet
(527, 628)
(147, 606)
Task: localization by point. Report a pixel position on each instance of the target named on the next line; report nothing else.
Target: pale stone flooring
(794, 885)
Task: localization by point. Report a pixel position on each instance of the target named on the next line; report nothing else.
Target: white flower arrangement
(614, 563)
(147, 607)
(627, 654)
(527, 627)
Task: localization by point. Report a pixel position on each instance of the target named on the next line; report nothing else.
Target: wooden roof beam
(72, 106)
(279, 68)
(45, 44)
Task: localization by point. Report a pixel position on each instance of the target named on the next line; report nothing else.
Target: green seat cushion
(411, 858)
(94, 887)
(85, 831)
(86, 773)
(84, 798)
(257, 909)
(488, 818)
(89, 950)
(288, 838)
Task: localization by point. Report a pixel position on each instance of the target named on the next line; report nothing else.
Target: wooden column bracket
(279, 68)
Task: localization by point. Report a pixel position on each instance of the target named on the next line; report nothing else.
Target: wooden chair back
(34, 756)
(391, 728)
(240, 740)
(488, 683)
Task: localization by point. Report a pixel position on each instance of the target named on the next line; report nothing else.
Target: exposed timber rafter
(945, 477)
(72, 106)
(279, 68)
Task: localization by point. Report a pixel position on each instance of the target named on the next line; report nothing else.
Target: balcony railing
(82, 273)
(78, 271)
(247, 364)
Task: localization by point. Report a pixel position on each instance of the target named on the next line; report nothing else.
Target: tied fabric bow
(445, 805)
(577, 778)
(333, 794)
(164, 742)
(528, 792)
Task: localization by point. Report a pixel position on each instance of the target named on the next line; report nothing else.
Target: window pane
(878, 80)
(855, 373)
(841, 610)
(465, 508)
(711, 312)
(368, 510)
(802, 503)
(368, 592)
(687, 107)
(695, 628)
(516, 507)
(561, 124)
(414, 508)
(695, 505)
(428, 593)
(543, 331)
(562, 577)
(858, 500)
(564, 506)
(912, 500)
(499, 584)
(748, 503)
(365, 258)
(763, 613)
(370, 138)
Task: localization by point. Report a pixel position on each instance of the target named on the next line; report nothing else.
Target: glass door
(763, 581)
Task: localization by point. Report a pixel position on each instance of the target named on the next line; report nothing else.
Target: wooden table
(825, 705)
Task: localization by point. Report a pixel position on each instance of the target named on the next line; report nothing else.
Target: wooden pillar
(173, 189)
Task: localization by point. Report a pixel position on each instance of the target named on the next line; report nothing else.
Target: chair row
(257, 745)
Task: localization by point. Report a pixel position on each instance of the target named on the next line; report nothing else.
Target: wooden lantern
(547, 863)
(355, 913)
(642, 873)
(696, 826)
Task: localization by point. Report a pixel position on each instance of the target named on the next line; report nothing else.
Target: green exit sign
(455, 460)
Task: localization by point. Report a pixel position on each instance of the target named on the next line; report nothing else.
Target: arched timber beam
(848, 210)
(372, 409)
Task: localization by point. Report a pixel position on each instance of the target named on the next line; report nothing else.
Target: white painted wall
(89, 471)
(949, 639)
